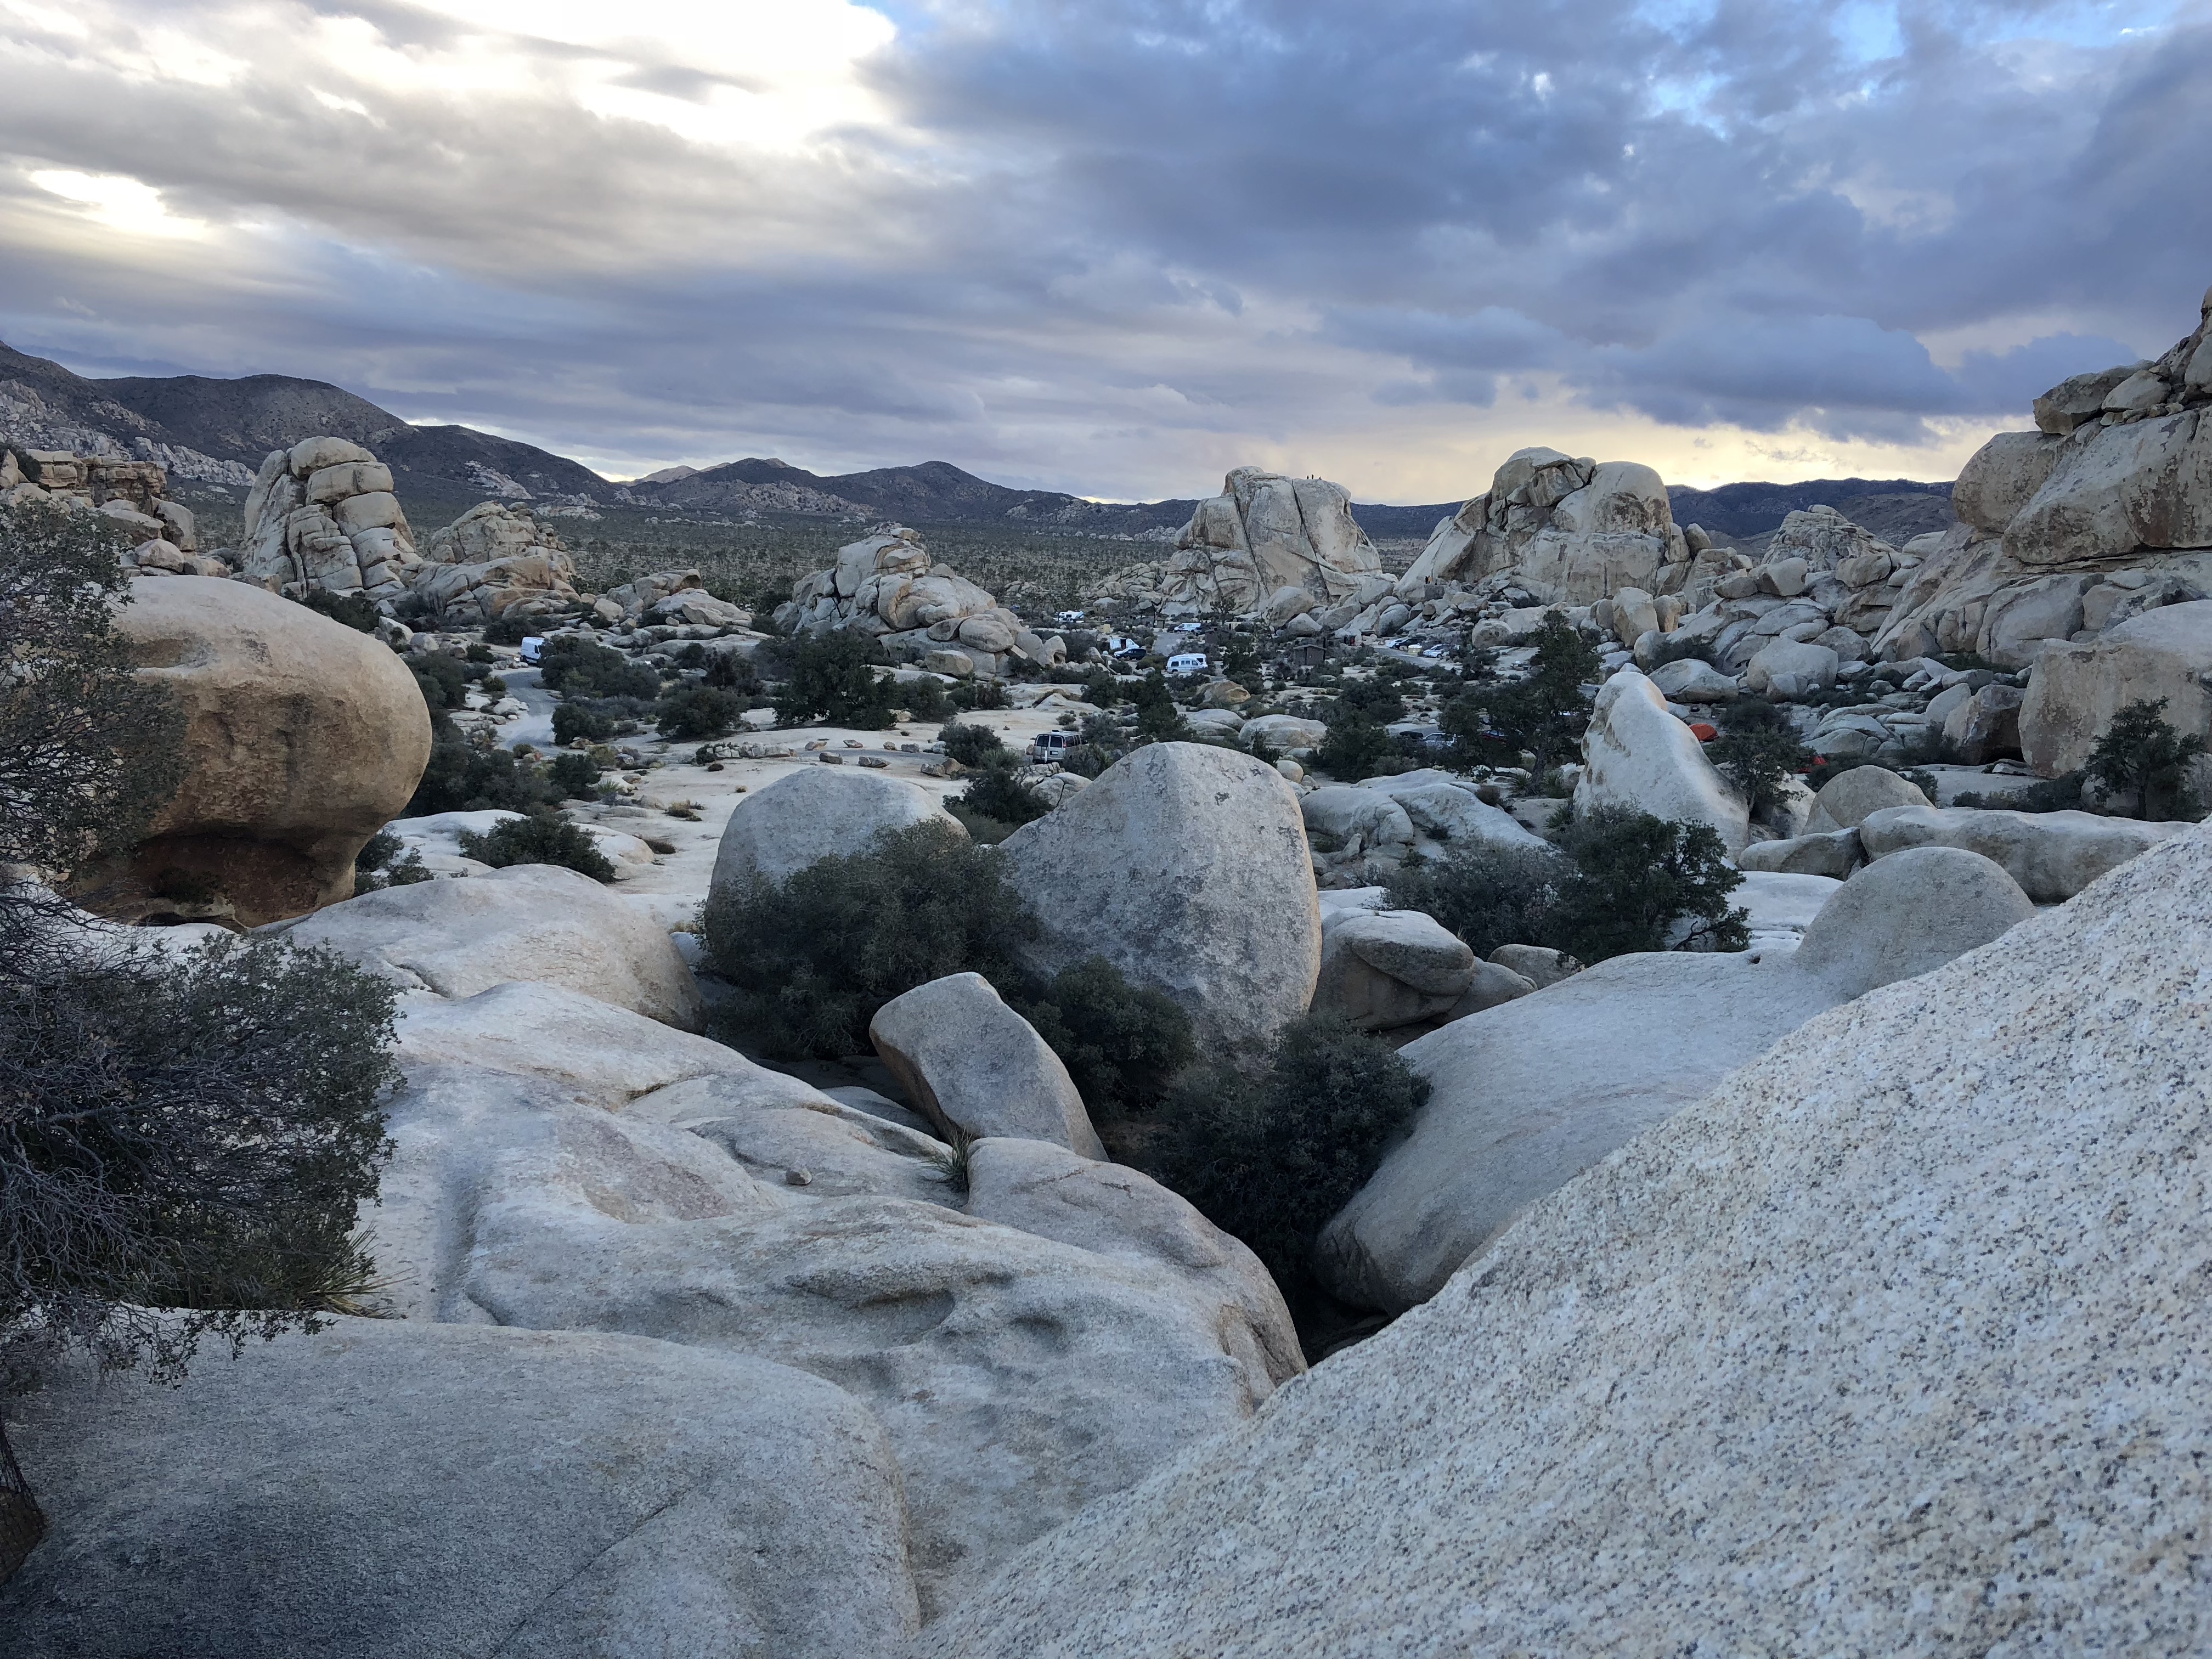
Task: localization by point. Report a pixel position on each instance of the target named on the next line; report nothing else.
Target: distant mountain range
(218, 431)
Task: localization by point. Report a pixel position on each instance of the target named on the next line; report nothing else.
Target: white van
(533, 649)
(1187, 662)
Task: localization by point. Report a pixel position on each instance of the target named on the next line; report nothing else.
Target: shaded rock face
(2052, 855)
(2103, 511)
(1040, 1340)
(1785, 1373)
(976, 1066)
(161, 536)
(1569, 532)
(302, 738)
(1528, 1094)
(384, 1488)
(321, 518)
(2074, 690)
(1266, 540)
(1187, 867)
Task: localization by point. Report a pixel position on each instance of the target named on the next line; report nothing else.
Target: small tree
(1543, 715)
(1356, 745)
(833, 679)
(1489, 896)
(575, 775)
(697, 711)
(1636, 877)
(2140, 754)
(1757, 752)
(997, 793)
(1159, 719)
(971, 744)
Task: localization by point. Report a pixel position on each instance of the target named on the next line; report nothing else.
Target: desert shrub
(578, 668)
(1636, 879)
(1379, 699)
(811, 959)
(1757, 752)
(443, 678)
(695, 710)
(356, 611)
(971, 695)
(2141, 756)
(833, 680)
(2060, 794)
(1270, 1158)
(87, 753)
(1241, 664)
(971, 744)
(379, 850)
(575, 775)
(1101, 690)
(1356, 746)
(998, 793)
(506, 630)
(1489, 896)
(587, 721)
(729, 671)
(538, 838)
(193, 1133)
(924, 697)
(1159, 719)
(477, 652)
(463, 778)
(1120, 1042)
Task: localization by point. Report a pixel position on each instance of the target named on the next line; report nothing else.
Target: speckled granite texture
(1896, 1343)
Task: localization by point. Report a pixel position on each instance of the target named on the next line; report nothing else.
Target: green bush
(575, 775)
(506, 630)
(833, 680)
(1757, 752)
(356, 611)
(1272, 1158)
(1636, 877)
(924, 697)
(1101, 690)
(811, 959)
(203, 1133)
(971, 695)
(2143, 757)
(1121, 1043)
(578, 668)
(1159, 719)
(539, 838)
(998, 793)
(1489, 896)
(729, 671)
(1356, 746)
(697, 710)
(587, 721)
(443, 678)
(462, 778)
(972, 744)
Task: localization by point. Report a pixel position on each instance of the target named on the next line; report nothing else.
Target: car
(1069, 617)
(1187, 628)
(533, 650)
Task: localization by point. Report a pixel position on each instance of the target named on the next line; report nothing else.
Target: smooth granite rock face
(385, 1489)
(1894, 1345)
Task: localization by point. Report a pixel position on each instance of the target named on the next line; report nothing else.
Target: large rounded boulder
(1185, 867)
(816, 813)
(302, 738)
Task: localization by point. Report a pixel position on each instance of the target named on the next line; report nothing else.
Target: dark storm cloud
(1111, 245)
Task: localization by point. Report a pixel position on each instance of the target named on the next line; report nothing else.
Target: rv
(1187, 662)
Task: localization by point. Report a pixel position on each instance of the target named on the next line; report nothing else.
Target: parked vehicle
(1049, 746)
(1187, 662)
(533, 650)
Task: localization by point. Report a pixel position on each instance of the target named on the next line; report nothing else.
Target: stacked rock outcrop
(2101, 513)
(494, 560)
(1568, 530)
(162, 537)
(1263, 534)
(886, 586)
(322, 517)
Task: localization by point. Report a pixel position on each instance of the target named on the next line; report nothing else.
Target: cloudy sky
(1116, 246)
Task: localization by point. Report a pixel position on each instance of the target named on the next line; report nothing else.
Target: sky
(1118, 246)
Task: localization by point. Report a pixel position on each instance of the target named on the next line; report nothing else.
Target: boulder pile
(884, 585)
(1887, 1345)
(161, 537)
(493, 561)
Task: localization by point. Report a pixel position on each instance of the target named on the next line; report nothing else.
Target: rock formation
(161, 536)
(1263, 534)
(493, 561)
(1888, 1345)
(886, 586)
(302, 738)
(1567, 531)
(2104, 511)
(322, 517)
